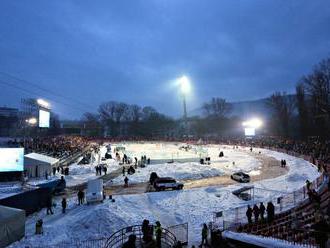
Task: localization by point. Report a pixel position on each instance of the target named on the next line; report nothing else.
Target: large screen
(11, 159)
(44, 118)
(250, 131)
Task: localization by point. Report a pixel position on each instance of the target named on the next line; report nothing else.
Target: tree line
(300, 115)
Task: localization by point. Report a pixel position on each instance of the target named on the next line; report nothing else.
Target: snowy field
(194, 206)
(82, 173)
(189, 170)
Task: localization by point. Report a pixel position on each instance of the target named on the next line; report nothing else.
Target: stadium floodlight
(253, 123)
(185, 84)
(31, 121)
(43, 103)
(185, 88)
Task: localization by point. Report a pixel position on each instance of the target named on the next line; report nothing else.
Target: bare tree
(301, 104)
(217, 107)
(282, 106)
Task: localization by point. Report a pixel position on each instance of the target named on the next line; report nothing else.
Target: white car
(240, 177)
(94, 191)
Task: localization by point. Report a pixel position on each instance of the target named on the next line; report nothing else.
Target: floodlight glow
(184, 84)
(254, 123)
(43, 103)
(31, 121)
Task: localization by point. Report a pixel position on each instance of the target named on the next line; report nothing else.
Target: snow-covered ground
(189, 170)
(81, 173)
(195, 206)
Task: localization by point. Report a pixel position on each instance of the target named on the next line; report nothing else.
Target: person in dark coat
(308, 185)
(49, 205)
(105, 169)
(158, 232)
(262, 210)
(249, 212)
(204, 235)
(81, 197)
(123, 170)
(256, 213)
(270, 211)
(126, 182)
(54, 171)
(64, 204)
(145, 230)
(130, 243)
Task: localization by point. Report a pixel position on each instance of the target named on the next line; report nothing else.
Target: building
(8, 120)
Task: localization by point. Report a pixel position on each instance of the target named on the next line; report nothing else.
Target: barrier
(120, 237)
(282, 201)
(181, 232)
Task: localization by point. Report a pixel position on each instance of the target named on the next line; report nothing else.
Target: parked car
(240, 177)
(94, 191)
(163, 183)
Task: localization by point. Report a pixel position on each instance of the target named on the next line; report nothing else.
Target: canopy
(38, 165)
(12, 225)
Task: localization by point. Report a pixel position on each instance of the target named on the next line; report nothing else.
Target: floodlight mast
(185, 89)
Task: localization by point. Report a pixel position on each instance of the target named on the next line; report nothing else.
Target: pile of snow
(194, 206)
(82, 173)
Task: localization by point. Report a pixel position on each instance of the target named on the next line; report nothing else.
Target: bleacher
(294, 225)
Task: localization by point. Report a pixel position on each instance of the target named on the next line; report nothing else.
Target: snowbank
(194, 206)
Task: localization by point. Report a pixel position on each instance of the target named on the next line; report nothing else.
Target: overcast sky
(82, 53)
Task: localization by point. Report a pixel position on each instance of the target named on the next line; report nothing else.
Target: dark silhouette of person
(249, 212)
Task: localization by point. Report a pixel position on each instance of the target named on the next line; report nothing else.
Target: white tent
(12, 225)
(37, 165)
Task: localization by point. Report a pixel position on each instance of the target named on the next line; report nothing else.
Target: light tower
(185, 89)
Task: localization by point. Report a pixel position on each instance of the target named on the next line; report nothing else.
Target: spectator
(262, 211)
(270, 211)
(249, 212)
(64, 204)
(126, 182)
(158, 232)
(81, 196)
(130, 243)
(256, 213)
(49, 205)
(204, 235)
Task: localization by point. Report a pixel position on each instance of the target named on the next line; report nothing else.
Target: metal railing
(282, 201)
(118, 238)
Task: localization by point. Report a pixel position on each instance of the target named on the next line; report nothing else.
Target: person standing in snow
(49, 205)
(204, 235)
(158, 232)
(126, 182)
(80, 197)
(64, 204)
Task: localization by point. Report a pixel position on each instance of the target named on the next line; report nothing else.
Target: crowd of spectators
(57, 146)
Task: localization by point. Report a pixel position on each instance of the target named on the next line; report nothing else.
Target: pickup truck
(163, 183)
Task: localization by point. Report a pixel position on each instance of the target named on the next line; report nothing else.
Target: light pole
(185, 89)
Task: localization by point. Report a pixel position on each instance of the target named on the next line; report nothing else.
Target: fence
(282, 201)
(90, 243)
(120, 237)
(180, 232)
